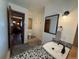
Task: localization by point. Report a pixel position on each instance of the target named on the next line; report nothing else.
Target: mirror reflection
(51, 24)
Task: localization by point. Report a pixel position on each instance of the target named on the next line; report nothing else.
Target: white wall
(37, 25)
(25, 11)
(3, 29)
(69, 22)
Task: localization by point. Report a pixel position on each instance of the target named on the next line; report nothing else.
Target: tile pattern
(19, 49)
(34, 53)
(23, 47)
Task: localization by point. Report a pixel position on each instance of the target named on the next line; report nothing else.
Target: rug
(34, 53)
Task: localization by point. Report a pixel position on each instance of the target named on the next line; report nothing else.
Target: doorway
(15, 28)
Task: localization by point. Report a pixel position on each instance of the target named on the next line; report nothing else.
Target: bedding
(35, 53)
(55, 50)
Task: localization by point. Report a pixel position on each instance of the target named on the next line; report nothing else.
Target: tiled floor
(37, 52)
(73, 53)
(21, 48)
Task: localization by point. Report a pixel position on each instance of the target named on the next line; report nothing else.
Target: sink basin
(56, 51)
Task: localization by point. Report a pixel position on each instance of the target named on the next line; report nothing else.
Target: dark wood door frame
(11, 13)
(75, 43)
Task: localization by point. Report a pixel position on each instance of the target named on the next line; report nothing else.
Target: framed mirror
(51, 24)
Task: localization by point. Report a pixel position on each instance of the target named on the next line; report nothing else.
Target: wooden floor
(73, 53)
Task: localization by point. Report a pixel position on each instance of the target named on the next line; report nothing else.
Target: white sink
(56, 52)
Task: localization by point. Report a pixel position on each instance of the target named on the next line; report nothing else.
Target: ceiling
(31, 4)
(37, 4)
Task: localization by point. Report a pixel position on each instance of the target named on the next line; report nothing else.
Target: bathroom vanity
(55, 49)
